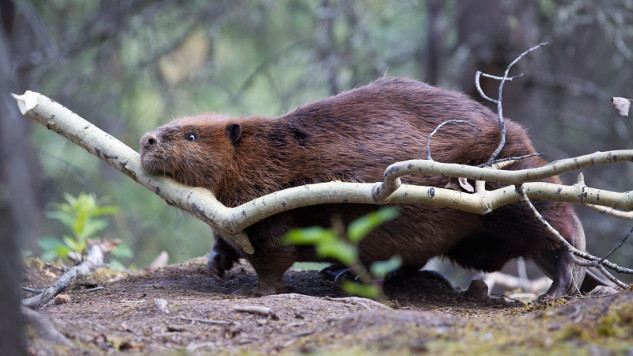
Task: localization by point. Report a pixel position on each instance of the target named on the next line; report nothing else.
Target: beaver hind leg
(269, 275)
(567, 277)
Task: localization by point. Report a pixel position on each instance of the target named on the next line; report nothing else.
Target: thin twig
(539, 301)
(612, 278)
(51, 266)
(617, 246)
(486, 75)
(515, 158)
(94, 289)
(592, 261)
(478, 75)
(207, 321)
(499, 101)
(610, 211)
(32, 290)
(600, 268)
(254, 309)
(428, 139)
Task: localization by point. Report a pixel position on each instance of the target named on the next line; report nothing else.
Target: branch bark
(231, 221)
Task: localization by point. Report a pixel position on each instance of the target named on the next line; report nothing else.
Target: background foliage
(131, 65)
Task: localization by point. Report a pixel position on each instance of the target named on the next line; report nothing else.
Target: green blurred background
(131, 65)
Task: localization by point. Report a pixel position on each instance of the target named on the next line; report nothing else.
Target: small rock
(123, 327)
(603, 291)
(161, 304)
(62, 299)
(477, 290)
(175, 328)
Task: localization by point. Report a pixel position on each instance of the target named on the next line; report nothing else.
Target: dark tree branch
(499, 100)
(428, 139)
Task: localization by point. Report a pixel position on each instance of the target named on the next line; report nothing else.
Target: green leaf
(309, 236)
(381, 268)
(116, 265)
(91, 227)
(62, 216)
(48, 255)
(362, 226)
(345, 253)
(73, 244)
(122, 251)
(52, 248)
(361, 290)
(49, 243)
(105, 210)
(62, 251)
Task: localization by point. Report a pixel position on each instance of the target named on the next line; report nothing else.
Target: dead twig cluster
(579, 257)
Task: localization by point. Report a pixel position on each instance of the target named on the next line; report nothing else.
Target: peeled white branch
(232, 221)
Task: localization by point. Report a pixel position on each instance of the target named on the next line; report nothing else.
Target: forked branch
(231, 221)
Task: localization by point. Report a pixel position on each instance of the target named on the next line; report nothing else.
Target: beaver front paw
(221, 258)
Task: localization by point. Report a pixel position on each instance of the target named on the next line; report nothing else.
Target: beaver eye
(191, 137)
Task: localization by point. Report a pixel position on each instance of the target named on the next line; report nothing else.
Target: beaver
(353, 137)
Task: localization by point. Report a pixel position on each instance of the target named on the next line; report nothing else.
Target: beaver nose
(149, 139)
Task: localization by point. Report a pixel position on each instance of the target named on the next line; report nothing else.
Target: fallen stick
(94, 258)
(255, 309)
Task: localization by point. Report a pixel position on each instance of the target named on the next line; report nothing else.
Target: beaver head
(192, 150)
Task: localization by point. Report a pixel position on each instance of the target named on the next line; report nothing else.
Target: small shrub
(330, 244)
(82, 216)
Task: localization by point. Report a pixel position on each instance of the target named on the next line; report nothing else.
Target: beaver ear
(233, 132)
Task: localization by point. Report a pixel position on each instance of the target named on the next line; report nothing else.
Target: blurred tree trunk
(20, 172)
(431, 56)
(12, 336)
(326, 46)
(492, 36)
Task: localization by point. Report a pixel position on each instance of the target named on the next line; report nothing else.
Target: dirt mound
(179, 307)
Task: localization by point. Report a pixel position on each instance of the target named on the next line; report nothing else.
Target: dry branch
(499, 100)
(428, 139)
(94, 258)
(232, 221)
(610, 211)
(579, 257)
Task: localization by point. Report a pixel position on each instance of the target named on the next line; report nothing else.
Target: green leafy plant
(81, 215)
(329, 243)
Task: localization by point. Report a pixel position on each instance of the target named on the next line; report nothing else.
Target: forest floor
(178, 309)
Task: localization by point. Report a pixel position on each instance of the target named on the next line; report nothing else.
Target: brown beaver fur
(353, 137)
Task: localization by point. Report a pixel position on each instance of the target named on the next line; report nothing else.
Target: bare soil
(178, 309)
